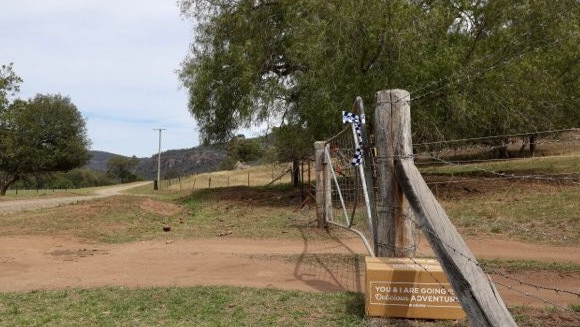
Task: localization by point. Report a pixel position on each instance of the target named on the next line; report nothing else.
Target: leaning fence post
(395, 227)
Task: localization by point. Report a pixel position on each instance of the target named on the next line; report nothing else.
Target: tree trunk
(296, 172)
(501, 149)
(6, 182)
(533, 140)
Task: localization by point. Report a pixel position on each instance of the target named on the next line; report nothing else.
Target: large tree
(9, 84)
(43, 135)
(123, 168)
(474, 68)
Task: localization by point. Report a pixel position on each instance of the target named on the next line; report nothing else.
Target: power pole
(158, 181)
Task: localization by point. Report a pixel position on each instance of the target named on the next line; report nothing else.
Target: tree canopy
(42, 135)
(123, 168)
(474, 68)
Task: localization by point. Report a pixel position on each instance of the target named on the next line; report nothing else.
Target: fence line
(471, 259)
(253, 176)
(17, 192)
(460, 265)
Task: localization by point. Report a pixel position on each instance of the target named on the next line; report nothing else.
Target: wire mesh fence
(548, 163)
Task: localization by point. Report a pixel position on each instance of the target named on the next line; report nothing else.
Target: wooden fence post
(322, 184)
(474, 289)
(395, 227)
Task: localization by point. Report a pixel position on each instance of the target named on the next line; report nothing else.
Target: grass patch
(527, 265)
(529, 166)
(219, 306)
(115, 219)
(248, 212)
(193, 306)
(45, 193)
(524, 210)
(252, 212)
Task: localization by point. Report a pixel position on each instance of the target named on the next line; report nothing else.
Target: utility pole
(158, 181)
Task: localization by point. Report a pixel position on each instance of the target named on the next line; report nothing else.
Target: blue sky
(116, 60)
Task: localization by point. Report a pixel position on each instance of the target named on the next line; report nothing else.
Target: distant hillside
(174, 163)
(99, 160)
(183, 162)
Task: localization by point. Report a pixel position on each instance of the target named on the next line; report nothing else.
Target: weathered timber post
(395, 227)
(323, 191)
(474, 289)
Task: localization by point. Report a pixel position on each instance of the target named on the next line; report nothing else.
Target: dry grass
(535, 211)
(251, 176)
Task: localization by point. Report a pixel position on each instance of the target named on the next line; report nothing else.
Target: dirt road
(7, 206)
(40, 262)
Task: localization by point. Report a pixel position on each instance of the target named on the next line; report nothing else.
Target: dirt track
(7, 206)
(31, 263)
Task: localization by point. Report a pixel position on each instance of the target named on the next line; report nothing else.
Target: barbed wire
(469, 258)
(474, 261)
(503, 136)
(510, 176)
(526, 294)
(521, 282)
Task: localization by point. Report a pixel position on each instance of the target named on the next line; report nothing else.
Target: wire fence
(553, 167)
(555, 161)
(271, 174)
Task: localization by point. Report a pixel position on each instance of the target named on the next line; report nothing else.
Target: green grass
(520, 210)
(218, 306)
(530, 265)
(46, 193)
(531, 211)
(249, 212)
(529, 166)
(117, 219)
(193, 306)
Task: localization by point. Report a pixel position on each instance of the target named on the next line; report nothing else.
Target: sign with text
(409, 288)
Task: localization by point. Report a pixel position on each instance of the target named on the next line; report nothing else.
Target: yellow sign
(409, 288)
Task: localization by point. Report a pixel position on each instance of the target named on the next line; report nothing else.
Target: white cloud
(115, 59)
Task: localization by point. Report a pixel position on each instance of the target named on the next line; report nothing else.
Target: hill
(174, 163)
(99, 160)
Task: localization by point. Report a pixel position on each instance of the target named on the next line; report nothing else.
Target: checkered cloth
(348, 117)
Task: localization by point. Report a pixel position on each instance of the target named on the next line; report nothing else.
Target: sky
(115, 59)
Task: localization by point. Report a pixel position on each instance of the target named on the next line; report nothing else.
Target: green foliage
(43, 135)
(9, 84)
(123, 168)
(473, 68)
(73, 179)
(242, 150)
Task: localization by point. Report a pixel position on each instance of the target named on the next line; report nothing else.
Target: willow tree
(470, 65)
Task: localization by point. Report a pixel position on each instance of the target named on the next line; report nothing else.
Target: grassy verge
(560, 165)
(45, 193)
(526, 265)
(198, 306)
(216, 306)
(532, 211)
